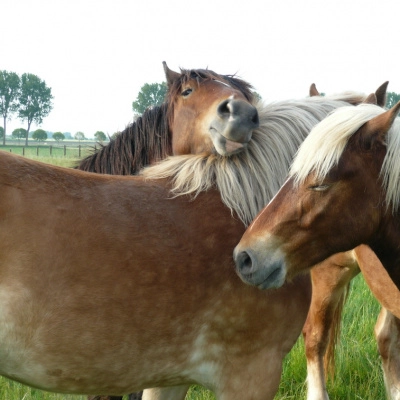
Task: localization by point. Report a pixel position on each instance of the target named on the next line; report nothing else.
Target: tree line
(27, 95)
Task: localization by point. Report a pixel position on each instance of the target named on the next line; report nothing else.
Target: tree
(9, 92)
(257, 96)
(79, 136)
(39, 135)
(151, 94)
(35, 100)
(100, 136)
(19, 133)
(391, 99)
(1, 132)
(57, 136)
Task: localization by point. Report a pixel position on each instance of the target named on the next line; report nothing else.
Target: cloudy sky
(96, 54)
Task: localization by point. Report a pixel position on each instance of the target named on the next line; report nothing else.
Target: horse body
(119, 274)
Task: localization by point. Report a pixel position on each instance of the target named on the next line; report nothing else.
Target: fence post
(51, 150)
(79, 147)
(65, 150)
(37, 151)
(23, 151)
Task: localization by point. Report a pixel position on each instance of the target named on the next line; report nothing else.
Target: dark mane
(142, 143)
(148, 139)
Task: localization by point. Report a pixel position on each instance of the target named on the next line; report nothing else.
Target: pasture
(358, 372)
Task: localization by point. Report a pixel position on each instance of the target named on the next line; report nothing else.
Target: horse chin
(224, 146)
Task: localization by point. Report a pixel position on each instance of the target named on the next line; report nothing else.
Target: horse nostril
(223, 109)
(244, 263)
(255, 120)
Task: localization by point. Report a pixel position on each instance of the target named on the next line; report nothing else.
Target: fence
(69, 151)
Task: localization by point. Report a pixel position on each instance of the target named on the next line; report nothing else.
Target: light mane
(325, 144)
(390, 171)
(247, 181)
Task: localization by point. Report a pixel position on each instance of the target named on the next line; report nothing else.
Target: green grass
(358, 368)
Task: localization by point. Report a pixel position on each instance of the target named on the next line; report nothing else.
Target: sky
(95, 55)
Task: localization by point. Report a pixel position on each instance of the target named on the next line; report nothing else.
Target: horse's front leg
(330, 280)
(387, 333)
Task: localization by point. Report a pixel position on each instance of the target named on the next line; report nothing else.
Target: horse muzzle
(262, 269)
(232, 128)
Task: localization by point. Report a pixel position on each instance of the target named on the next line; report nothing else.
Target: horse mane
(145, 141)
(259, 170)
(148, 140)
(326, 142)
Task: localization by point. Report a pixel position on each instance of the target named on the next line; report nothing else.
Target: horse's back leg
(387, 333)
(330, 281)
(166, 393)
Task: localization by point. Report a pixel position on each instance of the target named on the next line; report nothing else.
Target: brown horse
(118, 287)
(346, 176)
(350, 183)
(280, 114)
(204, 112)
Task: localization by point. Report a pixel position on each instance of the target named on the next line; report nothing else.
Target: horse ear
(381, 94)
(377, 128)
(314, 90)
(170, 75)
(371, 99)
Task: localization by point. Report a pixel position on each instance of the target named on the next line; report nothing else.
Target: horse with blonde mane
(345, 178)
(277, 118)
(323, 191)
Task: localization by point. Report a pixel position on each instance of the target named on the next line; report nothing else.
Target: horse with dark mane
(149, 138)
(171, 133)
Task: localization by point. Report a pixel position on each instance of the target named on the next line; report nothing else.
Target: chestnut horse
(119, 286)
(345, 176)
(123, 155)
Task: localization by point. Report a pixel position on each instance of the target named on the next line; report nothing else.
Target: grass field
(358, 369)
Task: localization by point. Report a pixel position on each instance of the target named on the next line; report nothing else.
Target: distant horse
(125, 152)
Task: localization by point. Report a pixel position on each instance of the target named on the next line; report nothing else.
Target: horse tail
(145, 141)
(329, 358)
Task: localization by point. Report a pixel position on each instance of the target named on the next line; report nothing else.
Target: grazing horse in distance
(280, 114)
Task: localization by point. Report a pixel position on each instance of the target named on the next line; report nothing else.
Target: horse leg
(166, 393)
(330, 280)
(387, 335)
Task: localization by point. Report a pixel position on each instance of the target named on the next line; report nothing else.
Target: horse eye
(186, 92)
(319, 188)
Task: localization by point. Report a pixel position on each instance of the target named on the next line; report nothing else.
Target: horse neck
(386, 245)
(144, 142)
